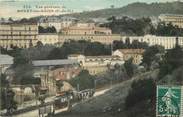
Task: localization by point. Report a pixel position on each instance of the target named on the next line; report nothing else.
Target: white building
(96, 64)
(58, 23)
(19, 35)
(167, 42)
(135, 54)
(175, 19)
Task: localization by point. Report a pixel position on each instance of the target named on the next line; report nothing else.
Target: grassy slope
(113, 97)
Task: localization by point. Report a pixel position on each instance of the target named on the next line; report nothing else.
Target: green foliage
(168, 30)
(26, 81)
(20, 60)
(129, 67)
(47, 30)
(134, 45)
(79, 47)
(39, 44)
(84, 80)
(15, 51)
(141, 90)
(172, 60)
(150, 54)
(112, 75)
(129, 26)
(96, 49)
(59, 84)
(3, 81)
(39, 52)
(7, 100)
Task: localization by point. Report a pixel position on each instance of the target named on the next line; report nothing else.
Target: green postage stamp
(168, 101)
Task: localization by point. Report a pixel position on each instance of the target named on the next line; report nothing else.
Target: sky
(16, 8)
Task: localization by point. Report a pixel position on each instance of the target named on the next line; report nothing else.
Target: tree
(168, 30)
(59, 84)
(10, 19)
(39, 44)
(51, 29)
(84, 80)
(142, 90)
(79, 47)
(172, 60)
(129, 67)
(129, 26)
(150, 54)
(7, 95)
(4, 82)
(23, 69)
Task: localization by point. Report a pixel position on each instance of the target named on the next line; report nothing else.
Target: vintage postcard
(91, 58)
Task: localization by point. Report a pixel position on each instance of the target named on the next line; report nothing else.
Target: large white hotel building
(175, 19)
(26, 35)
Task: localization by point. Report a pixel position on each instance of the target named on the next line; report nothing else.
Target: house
(51, 71)
(96, 64)
(125, 54)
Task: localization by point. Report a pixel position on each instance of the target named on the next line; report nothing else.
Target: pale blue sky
(8, 8)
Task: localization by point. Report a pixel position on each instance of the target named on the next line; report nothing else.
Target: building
(26, 35)
(168, 42)
(126, 54)
(96, 64)
(19, 35)
(58, 23)
(48, 38)
(175, 19)
(86, 29)
(46, 71)
(65, 73)
(5, 62)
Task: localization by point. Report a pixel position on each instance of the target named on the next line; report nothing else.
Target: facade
(86, 29)
(165, 41)
(20, 35)
(172, 18)
(61, 38)
(58, 23)
(26, 35)
(48, 38)
(135, 54)
(44, 69)
(168, 42)
(65, 73)
(5, 62)
(96, 64)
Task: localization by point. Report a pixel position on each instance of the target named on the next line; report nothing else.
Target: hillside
(110, 101)
(135, 10)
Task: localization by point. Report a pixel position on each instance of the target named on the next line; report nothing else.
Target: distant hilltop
(135, 10)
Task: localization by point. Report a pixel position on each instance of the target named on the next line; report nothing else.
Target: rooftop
(6, 59)
(39, 63)
(171, 15)
(131, 51)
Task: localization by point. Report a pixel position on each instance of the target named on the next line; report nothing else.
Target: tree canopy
(129, 26)
(150, 54)
(84, 80)
(172, 60)
(51, 29)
